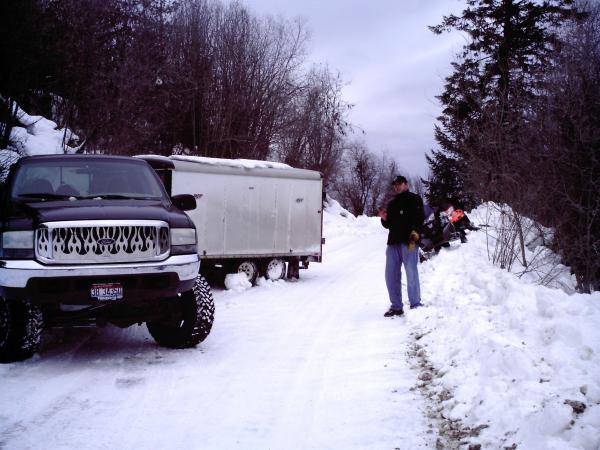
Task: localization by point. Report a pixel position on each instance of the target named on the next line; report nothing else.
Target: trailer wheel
(250, 269)
(21, 325)
(193, 322)
(274, 269)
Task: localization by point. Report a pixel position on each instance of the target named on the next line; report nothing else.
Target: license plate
(107, 291)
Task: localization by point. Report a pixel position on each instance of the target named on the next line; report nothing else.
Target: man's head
(400, 184)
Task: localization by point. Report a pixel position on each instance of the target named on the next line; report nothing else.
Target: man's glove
(412, 240)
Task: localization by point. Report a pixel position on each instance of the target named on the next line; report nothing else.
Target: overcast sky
(393, 64)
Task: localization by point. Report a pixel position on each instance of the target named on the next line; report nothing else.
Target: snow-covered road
(497, 361)
(288, 365)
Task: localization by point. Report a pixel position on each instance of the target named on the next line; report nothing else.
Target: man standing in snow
(404, 218)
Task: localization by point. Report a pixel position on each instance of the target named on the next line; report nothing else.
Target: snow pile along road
(518, 361)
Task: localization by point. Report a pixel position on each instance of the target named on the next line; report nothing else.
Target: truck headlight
(183, 236)
(183, 241)
(17, 245)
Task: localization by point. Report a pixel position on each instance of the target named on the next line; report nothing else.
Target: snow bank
(40, 136)
(543, 265)
(37, 136)
(237, 282)
(338, 222)
(517, 357)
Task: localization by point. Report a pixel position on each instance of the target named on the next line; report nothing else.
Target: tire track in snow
(340, 339)
(307, 364)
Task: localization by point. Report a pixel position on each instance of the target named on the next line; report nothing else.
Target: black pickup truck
(90, 240)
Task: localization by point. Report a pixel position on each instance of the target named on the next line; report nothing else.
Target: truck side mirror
(185, 202)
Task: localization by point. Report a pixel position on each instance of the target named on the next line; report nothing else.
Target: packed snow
(40, 136)
(36, 135)
(240, 163)
(236, 163)
(237, 282)
(492, 360)
(513, 356)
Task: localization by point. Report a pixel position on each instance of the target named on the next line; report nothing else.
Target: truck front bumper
(18, 273)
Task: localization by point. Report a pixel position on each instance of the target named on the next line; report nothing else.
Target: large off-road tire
(274, 269)
(21, 325)
(192, 324)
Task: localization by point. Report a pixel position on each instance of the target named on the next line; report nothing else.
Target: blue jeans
(395, 256)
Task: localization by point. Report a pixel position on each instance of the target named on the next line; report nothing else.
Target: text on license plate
(107, 291)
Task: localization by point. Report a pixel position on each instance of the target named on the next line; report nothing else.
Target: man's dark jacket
(404, 215)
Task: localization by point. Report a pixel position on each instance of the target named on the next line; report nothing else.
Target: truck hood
(28, 215)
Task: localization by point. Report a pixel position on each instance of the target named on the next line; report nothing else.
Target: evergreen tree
(446, 181)
(27, 61)
(486, 99)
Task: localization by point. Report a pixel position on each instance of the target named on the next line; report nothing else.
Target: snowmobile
(441, 227)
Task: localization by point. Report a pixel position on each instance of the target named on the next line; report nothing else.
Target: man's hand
(412, 240)
(382, 213)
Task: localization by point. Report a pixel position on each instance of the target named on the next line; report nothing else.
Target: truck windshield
(85, 178)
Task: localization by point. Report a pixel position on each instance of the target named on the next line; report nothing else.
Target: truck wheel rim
(248, 269)
(275, 269)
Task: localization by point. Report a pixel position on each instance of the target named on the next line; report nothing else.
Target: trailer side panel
(252, 213)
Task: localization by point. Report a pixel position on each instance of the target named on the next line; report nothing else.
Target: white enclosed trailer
(251, 216)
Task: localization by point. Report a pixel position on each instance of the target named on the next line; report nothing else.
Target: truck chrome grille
(102, 242)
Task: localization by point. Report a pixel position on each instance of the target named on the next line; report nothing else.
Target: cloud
(394, 64)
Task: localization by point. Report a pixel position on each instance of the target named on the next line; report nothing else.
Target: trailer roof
(243, 163)
(215, 165)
